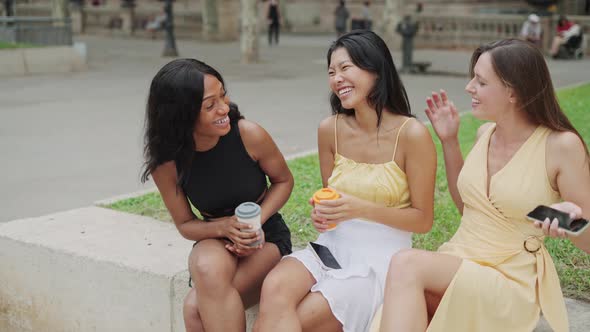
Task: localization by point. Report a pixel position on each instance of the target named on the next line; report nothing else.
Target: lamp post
(170, 42)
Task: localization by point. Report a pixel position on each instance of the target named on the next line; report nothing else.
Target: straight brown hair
(521, 66)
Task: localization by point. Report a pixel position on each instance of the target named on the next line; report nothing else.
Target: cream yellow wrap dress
(507, 276)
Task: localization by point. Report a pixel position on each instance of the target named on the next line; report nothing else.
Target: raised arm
(263, 149)
(444, 118)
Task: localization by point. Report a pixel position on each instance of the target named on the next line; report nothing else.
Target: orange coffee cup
(326, 194)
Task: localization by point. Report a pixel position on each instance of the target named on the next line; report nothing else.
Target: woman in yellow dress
(383, 163)
(495, 274)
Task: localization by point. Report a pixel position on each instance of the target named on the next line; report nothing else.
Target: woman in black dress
(199, 149)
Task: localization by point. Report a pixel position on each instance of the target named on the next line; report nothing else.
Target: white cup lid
(247, 210)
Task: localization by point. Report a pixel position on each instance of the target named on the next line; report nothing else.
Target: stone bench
(93, 269)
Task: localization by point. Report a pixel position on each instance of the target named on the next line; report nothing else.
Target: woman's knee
(209, 272)
(402, 266)
(273, 286)
(277, 291)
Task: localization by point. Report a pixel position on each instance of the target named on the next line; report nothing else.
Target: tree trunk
(249, 38)
(210, 19)
(392, 15)
(60, 11)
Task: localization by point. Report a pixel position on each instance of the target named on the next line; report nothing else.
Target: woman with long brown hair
(495, 274)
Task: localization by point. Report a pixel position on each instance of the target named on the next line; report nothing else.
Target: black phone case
(325, 256)
(542, 212)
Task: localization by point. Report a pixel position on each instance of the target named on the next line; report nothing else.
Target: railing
(101, 18)
(452, 31)
(455, 31)
(44, 31)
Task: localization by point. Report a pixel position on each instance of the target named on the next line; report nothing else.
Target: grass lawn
(572, 264)
(7, 45)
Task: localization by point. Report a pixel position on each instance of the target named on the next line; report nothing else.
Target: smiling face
(350, 83)
(489, 95)
(213, 120)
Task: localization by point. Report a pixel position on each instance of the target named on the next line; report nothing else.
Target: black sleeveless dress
(225, 176)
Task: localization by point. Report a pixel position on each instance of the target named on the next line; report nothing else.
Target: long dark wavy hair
(369, 52)
(173, 107)
(522, 67)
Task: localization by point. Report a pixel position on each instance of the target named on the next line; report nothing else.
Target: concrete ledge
(92, 269)
(12, 62)
(95, 269)
(41, 60)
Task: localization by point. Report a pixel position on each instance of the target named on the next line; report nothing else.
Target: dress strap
(397, 137)
(336, 133)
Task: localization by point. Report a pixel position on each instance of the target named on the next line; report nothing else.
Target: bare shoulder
(482, 129)
(415, 131)
(165, 170)
(252, 133)
(165, 176)
(327, 123)
(566, 144)
(326, 126)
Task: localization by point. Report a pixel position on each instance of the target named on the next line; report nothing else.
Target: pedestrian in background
(531, 30)
(341, 15)
(366, 15)
(273, 15)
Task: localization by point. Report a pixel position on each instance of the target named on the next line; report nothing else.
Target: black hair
(173, 106)
(369, 52)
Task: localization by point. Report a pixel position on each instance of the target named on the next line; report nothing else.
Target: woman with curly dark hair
(200, 149)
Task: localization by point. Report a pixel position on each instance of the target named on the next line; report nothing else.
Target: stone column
(228, 13)
(393, 12)
(210, 19)
(59, 11)
(220, 19)
(78, 16)
(249, 37)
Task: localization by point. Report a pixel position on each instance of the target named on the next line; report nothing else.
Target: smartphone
(571, 226)
(325, 256)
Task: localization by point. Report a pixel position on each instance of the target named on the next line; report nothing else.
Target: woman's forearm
(197, 229)
(453, 164)
(407, 219)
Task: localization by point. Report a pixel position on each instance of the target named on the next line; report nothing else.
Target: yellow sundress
(507, 276)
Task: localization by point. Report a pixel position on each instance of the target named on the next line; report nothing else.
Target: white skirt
(363, 249)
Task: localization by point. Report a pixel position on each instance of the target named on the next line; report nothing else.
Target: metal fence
(45, 31)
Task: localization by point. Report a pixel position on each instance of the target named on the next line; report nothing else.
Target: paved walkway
(69, 140)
